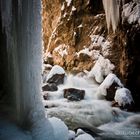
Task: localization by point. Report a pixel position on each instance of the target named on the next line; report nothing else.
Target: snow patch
(101, 42)
(60, 129)
(123, 96)
(62, 50)
(55, 70)
(73, 8)
(101, 68)
(80, 26)
(109, 80)
(84, 137)
(131, 13)
(63, 7)
(94, 54)
(71, 135)
(68, 2)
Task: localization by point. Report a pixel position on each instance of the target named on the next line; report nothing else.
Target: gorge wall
(75, 33)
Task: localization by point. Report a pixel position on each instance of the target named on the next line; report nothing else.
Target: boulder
(50, 87)
(111, 91)
(57, 79)
(45, 96)
(73, 94)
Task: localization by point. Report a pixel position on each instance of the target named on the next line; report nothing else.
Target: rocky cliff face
(75, 21)
(75, 34)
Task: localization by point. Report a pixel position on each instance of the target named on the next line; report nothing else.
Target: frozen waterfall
(112, 13)
(21, 24)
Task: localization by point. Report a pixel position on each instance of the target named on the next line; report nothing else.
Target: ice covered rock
(71, 135)
(56, 75)
(50, 87)
(82, 135)
(109, 86)
(123, 97)
(60, 129)
(73, 94)
(131, 12)
(101, 68)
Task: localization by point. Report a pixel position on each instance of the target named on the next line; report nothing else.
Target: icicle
(112, 13)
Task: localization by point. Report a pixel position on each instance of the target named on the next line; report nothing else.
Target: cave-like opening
(133, 81)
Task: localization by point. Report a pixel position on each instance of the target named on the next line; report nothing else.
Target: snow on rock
(60, 129)
(63, 7)
(131, 12)
(55, 70)
(101, 68)
(100, 41)
(94, 54)
(109, 80)
(71, 135)
(73, 8)
(123, 96)
(82, 135)
(68, 2)
(80, 26)
(62, 50)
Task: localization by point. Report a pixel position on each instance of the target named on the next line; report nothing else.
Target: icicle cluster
(112, 13)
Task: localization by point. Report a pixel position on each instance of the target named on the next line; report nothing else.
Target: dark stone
(45, 96)
(84, 57)
(50, 87)
(111, 91)
(73, 94)
(57, 79)
(49, 61)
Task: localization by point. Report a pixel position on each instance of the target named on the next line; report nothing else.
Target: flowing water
(92, 112)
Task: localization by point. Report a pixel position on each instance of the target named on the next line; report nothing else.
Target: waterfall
(112, 13)
(23, 43)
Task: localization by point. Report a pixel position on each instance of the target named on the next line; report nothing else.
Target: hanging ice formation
(112, 12)
(23, 43)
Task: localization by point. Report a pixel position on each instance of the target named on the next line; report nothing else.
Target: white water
(91, 112)
(24, 61)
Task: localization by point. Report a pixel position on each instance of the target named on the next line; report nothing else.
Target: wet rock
(57, 79)
(111, 91)
(45, 96)
(73, 94)
(50, 87)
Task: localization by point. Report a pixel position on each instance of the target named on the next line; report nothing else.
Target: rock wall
(80, 35)
(75, 23)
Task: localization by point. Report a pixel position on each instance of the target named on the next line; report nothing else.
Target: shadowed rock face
(56, 79)
(70, 30)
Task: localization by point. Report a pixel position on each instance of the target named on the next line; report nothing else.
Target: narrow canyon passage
(90, 77)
